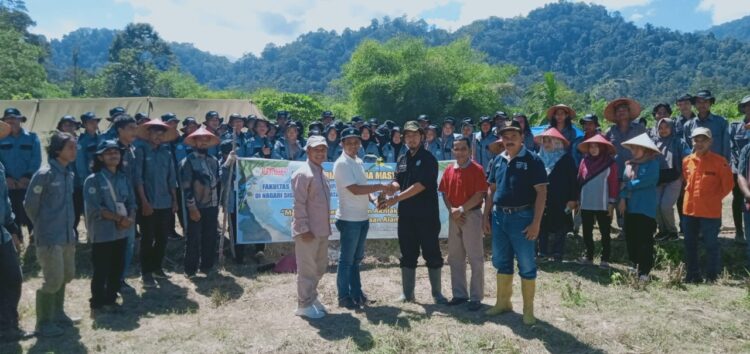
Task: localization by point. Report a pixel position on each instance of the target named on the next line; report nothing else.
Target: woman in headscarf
(333, 141)
(562, 192)
(369, 146)
(673, 150)
(395, 148)
(638, 200)
(599, 183)
(261, 143)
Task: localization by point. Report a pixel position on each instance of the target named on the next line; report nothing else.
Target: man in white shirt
(352, 218)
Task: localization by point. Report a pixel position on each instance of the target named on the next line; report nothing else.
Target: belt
(512, 210)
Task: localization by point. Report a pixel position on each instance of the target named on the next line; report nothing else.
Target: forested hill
(737, 29)
(591, 49)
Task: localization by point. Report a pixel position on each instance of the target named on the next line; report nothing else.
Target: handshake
(383, 200)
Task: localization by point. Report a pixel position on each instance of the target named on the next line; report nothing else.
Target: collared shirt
(181, 150)
(21, 155)
(421, 168)
(617, 137)
(708, 179)
(482, 154)
(129, 164)
(86, 148)
(516, 178)
(719, 133)
(738, 138)
(156, 174)
(49, 205)
(679, 125)
(282, 151)
(460, 183)
(98, 198)
(349, 171)
(199, 180)
(6, 213)
(312, 201)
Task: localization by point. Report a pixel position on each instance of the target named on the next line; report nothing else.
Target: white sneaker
(309, 312)
(320, 307)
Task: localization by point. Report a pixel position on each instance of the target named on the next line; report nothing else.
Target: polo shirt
(460, 184)
(708, 179)
(348, 171)
(515, 178)
(420, 168)
(719, 133)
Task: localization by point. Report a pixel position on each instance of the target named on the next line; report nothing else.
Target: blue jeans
(353, 235)
(508, 240)
(709, 229)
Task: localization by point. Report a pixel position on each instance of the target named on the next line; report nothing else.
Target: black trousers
(16, 197)
(200, 246)
(154, 231)
(77, 207)
(10, 285)
(239, 250)
(640, 241)
(108, 260)
(419, 233)
(588, 218)
(738, 199)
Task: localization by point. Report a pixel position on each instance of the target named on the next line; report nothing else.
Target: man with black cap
(357, 122)
(739, 136)
(446, 138)
(743, 173)
(418, 214)
(718, 125)
(282, 120)
(213, 122)
(590, 125)
(500, 119)
(424, 121)
(327, 118)
(21, 154)
(352, 218)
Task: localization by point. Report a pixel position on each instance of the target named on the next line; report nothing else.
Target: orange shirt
(708, 180)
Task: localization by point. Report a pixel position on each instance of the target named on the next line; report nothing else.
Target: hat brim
(190, 139)
(509, 128)
(584, 147)
(551, 111)
(538, 139)
(169, 135)
(22, 118)
(635, 109)
(649, 148)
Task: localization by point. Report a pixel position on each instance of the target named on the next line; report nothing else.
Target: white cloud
(725, 10)
(235, 27)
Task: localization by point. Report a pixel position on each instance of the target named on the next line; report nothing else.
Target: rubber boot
(436, 285)
(504, 292)
(44, 325)
(408, 278)
(59, 315)
(528, 288)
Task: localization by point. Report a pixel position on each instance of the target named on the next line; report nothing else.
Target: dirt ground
(579, 310)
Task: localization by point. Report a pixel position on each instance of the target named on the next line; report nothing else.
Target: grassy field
(579, 310)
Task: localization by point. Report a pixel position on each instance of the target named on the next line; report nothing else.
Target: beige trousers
(58, 266)
(312, 263)
(463, 241)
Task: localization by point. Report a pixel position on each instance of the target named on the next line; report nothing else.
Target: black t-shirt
(420, 168)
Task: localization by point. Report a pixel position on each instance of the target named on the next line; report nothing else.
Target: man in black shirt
(418, 215)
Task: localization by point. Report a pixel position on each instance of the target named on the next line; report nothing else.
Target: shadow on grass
(218, 285)
(70, 340)
(389, 316)
(335, 327)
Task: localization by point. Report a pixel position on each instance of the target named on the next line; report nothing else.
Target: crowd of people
(136, 180)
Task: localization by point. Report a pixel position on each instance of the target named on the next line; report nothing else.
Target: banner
(265, 201)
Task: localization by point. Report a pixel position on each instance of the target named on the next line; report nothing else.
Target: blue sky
(232, 28)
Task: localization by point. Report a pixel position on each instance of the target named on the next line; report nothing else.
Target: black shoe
(662, 236)
(672, 236)
(124, 286)
(14, 334)
(348, 303)
(457, 301)
(148, 281)
(474, 305)
(362, 300)
(160, 274)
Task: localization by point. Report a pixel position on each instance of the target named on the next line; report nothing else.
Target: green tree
(403, 78)
(21, 74)
(143, 40)
(301, 107)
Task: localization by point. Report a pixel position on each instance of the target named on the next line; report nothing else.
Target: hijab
(550, 158)
(665, 144)
(592, 166)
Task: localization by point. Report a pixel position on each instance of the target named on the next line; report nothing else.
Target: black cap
(706, 95)
(235, 116)
(12, 112)
(169, 117)
(282, 114)
(69, 119)
(423, 118)
(390, 123)
(316, 126)
(373, 121)
(512, 125)
(327, 114)
(350, 132)
(114, 112)
(251, 117)
(686, 97)
(211, 115)
(339, 125)
(450, 120)
(140, 116)
(88, 116)
(467, 121)
(105, 145)
(589, 118)
(357, 119)
(189, 120)
(484, 119)
(500, 114)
